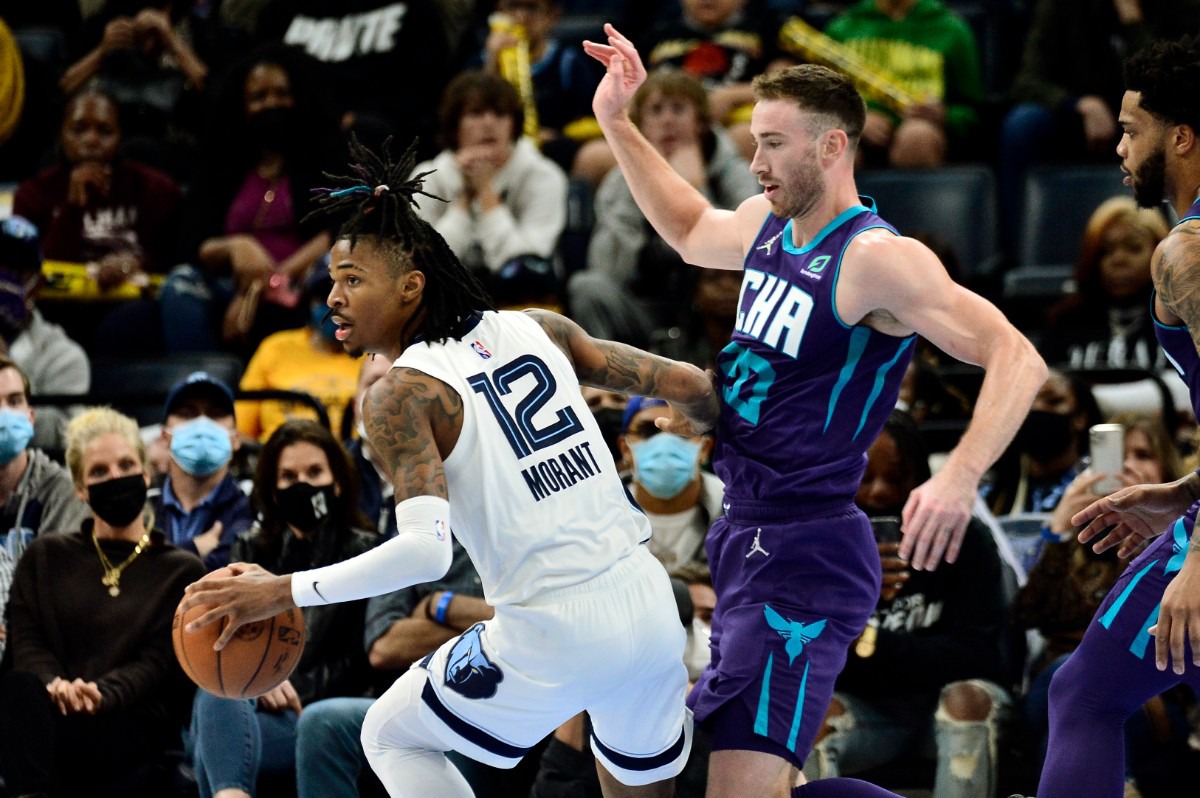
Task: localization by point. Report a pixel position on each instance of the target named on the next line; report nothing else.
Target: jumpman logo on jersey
(796, 634)
(757, 547)
(770, 243)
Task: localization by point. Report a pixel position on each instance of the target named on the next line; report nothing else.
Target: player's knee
(963, 701)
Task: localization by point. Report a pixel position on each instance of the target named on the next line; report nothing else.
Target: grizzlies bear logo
(468, 670)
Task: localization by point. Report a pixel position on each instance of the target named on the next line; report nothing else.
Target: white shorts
(612, 646)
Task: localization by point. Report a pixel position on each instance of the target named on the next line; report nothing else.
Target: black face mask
(1044, 436)
(118, 501)
(305, 506)
(609, 419)
(273, 128)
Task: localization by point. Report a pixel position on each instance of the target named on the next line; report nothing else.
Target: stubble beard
(810, 189)
(1150, 181)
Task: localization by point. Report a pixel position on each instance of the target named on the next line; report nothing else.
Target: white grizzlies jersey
(534, 494)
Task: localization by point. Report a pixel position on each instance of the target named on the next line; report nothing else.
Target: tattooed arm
(1176, 271)
(1137, 514)
(413, 421)
(626, 369)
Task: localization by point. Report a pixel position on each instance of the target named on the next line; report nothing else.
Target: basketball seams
(243, 662)
(265, 655)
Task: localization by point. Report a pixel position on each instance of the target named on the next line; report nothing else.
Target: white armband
(421, 552)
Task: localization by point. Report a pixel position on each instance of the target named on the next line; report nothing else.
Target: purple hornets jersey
(804, 394)
(1177, 342)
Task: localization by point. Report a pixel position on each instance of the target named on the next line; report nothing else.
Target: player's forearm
(1014, 372)
(629, 370)
(670, 203)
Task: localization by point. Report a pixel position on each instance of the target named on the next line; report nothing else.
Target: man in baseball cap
(200, 506)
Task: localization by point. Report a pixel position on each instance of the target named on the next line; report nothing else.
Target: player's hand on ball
(252, 594)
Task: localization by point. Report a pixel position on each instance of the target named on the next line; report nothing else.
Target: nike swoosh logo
(319, 593)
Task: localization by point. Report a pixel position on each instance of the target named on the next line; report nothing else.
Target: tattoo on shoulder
(412, 420)
(554, 326)
(1177, 276)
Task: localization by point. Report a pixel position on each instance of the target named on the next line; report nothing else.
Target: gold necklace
(112, 573)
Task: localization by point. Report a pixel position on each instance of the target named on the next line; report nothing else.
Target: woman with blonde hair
(95, 697)
(1106, 323)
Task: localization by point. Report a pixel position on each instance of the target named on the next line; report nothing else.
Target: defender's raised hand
(625, 73)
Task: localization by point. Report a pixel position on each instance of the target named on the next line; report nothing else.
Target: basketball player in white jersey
(483, 427)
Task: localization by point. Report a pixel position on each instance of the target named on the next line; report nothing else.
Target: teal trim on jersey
(762, 717)
(876, 389)
(844, 216)
(858, 344)
(1157, 323)
(1111, 614)
(799, 715)
(837, 273)
(1187, 219)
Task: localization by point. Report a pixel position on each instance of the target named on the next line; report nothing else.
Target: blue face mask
(665, 464)
(201, 446)
(323, 323)
(16, 430)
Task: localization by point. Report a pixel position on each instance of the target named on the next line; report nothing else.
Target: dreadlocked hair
(378, 201)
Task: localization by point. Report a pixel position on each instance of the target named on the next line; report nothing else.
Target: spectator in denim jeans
(306, 491)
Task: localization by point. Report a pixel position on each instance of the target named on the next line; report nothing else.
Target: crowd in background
(167, 151)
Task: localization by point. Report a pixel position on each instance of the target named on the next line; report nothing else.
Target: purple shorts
(791, 598)
(1131, 607)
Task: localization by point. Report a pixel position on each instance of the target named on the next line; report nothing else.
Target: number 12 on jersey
(531, 375)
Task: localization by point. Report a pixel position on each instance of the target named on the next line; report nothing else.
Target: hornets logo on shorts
(468, 670)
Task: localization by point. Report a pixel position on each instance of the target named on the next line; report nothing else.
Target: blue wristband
(443, 604)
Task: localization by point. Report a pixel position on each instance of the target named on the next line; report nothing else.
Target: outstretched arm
(897, 285)
(701, 234)
(626, 369)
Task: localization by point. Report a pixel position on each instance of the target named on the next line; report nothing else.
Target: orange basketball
(258, 658)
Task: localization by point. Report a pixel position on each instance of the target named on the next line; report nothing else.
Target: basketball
(261, 655)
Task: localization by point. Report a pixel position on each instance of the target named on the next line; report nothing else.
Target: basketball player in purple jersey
(832, 298)
(1137, 645)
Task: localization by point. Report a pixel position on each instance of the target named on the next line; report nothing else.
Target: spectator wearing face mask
(680, 501)
(200, 506)
(679, 498)
(307, 493)
(1044, 457)
(36, 493)
(309, 359)
(95, 698)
